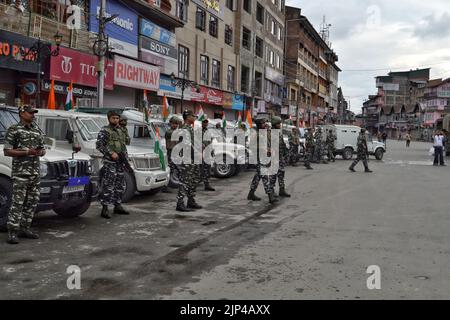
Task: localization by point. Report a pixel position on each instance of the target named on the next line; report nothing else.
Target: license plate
(78, 181)
(73, 189)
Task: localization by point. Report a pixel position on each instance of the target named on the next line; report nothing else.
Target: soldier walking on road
(206, 167)
(331, 138)
(261, 125)
(362, 152)
(188, 174)
(283, 152)
(309, 149)
(25, 144)
(111, 142)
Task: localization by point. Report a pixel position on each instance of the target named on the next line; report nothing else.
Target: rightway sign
(135, 74)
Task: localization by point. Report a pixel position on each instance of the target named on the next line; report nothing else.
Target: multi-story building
(436, 100)
(311, 71)
(342, 107)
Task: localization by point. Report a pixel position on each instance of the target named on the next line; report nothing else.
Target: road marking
(409, 163)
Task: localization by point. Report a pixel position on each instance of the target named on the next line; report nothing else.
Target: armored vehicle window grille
(147, 164)
(60, 169)
(7, 119)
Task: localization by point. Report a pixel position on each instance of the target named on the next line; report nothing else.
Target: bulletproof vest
(117, 140)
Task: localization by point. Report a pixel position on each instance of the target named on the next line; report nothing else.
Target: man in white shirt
(439, 141)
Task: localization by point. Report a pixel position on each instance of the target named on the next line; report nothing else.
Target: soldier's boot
(283, 193)
(191, 204)
(12, 237)
(118, 209)
(28, 234)
(165, 189)
(366, 167)
(308, 166)
(181, 207)
(272, 198)
(105, 213)
(208, 187)
(252, 196)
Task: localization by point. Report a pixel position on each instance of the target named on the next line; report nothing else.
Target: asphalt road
(316, 245)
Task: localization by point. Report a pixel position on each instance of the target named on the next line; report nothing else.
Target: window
(213, 26)
(260, 13)
(204, 70)
(259, 47)
(280, 30)
(272, 58)
(248, 6)
(245, 71)
(215, 77)
(229, 4)
(230, 78)
(200, 19)
(275, 32)
(183, 62)
(228, 35)
(181, 10)
(272, 30)
(56, 129)
(246, 38)
(278, 61)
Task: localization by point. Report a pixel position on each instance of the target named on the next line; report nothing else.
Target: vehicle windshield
(90, 128)
(162, 128)
(7, 119)
(141, 136)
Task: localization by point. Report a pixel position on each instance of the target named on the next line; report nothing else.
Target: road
(316, 245)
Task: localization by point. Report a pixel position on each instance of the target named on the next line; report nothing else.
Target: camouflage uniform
(112, 139)
(318, 147)
(283, 151)
(331, 138)
(205, 167)
(362, 153)
(309, 148)
(25, 175)
(169, 146)
(188, 172)
(268, 181)
(294, 143)
(126, 135)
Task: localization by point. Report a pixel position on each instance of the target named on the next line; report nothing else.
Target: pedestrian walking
(408, 140)
(206, 167)
(439, 141)
(309, 149)
(283, 152)
(362, 152)
(111, 142)
(261, 148)
(188, 170)
(25, 144)
(331, 139)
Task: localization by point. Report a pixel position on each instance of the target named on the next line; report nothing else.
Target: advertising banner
(135, 74)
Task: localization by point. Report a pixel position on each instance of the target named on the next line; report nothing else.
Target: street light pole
(183, 84)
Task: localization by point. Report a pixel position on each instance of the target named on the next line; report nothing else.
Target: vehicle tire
(72, 212)
(130, 187)
(347, 154)
(223, 171)
(379, 154)
(151, 192)
(5, 201)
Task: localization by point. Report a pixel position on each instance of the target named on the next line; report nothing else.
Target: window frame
(248, 45)
(215, 73)
(231, 78)
(213, 26)
(204, 67)
(260, 7)
(181, 5)
(183, 52)
(249, 6)
(261, 50)
(200, 19)
(228, 35)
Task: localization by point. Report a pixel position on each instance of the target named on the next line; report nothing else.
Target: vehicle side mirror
(69, 136)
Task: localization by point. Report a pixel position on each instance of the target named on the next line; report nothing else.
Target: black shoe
(28, 234)
(209, 188)
(284, 194)
(12, 237)
(191, 204)
(165, 190)
(182, 208)
(252, 196)
(351, 169)
(368, 171)
(272, 198)
(105, 213)
(118, 209)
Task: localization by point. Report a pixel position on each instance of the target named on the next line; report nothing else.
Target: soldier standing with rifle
(283, 151)
(294, 143)
(331, 138)
(111, 142)
(309, 149)
(363, 152)
(25, 144)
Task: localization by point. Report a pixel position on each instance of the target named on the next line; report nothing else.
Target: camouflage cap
(174, 119)
(187, 113)
(276, 120)
(27, 108)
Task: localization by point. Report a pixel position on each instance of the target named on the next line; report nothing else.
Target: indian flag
(201, 115)
(224, 121)
(239, 121)
(249, 120)
(159, 151)
(146, 109)
(69, 105)
(165, 108)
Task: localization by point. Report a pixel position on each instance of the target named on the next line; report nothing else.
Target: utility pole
(101, 53)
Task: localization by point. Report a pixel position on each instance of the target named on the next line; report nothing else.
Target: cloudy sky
(373, 37)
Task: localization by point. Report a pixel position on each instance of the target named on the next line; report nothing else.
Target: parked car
(68, 127)
(62, 190)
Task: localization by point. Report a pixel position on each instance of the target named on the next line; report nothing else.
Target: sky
(374, 37)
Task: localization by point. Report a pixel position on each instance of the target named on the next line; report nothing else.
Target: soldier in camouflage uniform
(111, 142)
(25, 144)
(205, 167)
(331, 138)
(294, 143)
(283, 153)
(123, 126)
(362, 152)
(174, 123)
(188, 172)
(261, 124)
(309, 149)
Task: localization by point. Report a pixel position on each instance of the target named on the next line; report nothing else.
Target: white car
(62, 190)
(68, 127)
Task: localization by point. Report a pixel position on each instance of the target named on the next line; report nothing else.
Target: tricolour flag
(249, 120)
(201, 115)
(51, 104)
(224, 121)
(165, 108)
(69, 100)
(159, 151)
